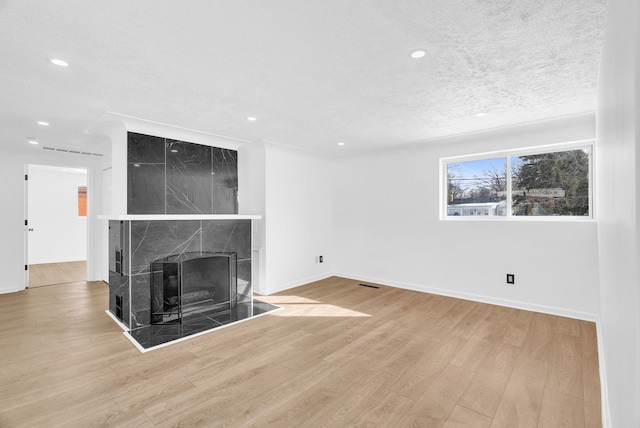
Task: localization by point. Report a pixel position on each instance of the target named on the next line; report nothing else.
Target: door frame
(91, 214)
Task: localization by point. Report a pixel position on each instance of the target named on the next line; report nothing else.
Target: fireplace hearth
(156, 335)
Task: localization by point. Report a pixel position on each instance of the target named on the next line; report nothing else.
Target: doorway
(57, 225)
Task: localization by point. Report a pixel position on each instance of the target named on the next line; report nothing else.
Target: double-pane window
(536, 183)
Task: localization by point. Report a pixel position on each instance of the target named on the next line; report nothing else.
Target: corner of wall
(604, 389)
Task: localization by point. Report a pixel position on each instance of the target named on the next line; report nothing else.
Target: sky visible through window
(470, 171)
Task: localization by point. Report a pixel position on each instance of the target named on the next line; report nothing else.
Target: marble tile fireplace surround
(180, 259)
(147, 255)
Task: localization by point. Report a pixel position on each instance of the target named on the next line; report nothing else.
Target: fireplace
(193, 285)
(160, 296)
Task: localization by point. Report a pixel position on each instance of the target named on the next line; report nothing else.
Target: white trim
(64, 260)
(13, 289)
(128, 273)
(566, 218)
(551, 310)
(507, 154)
(515, 127)
(256, 263)
(120, 323)
(288, 286)
(604, 389)
(91, 241)
(529, 150)
(133, 341)
(151, 127)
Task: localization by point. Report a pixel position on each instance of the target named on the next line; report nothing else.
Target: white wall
(251, 195)
(299, 217)
(59, 234)
(388, 229)
(618, 180)
(114, 168)
(12, 231)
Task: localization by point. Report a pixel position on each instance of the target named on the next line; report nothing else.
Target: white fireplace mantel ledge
(145, 217)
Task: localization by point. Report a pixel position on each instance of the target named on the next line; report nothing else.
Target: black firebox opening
(192, 284)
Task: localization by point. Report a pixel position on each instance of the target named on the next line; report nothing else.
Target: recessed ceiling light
(252, 118)
(59, 62)
(341, 143)
(43, 123)
(417, 53)
(32, 141)
(479, 114)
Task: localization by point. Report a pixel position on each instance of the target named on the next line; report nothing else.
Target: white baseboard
(604, 389)
(294, 284)
(533, 307)
(11, 290)
(477, 298)
(63, 260)
(117, 321)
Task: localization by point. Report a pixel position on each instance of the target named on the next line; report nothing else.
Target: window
(551, 182)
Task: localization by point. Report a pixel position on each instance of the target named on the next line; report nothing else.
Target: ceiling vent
(75, 152)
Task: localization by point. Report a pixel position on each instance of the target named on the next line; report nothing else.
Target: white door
(57, 229)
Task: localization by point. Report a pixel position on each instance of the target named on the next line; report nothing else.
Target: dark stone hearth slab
(153, 335)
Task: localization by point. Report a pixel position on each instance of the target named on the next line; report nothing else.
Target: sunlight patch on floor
(317, 310)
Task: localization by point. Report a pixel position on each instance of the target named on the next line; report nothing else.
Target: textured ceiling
(314, 73)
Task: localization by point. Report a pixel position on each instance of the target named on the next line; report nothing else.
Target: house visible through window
(82, 201)
(552, 182)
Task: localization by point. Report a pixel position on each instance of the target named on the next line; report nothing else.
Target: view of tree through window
(542, 184)
(551, 184)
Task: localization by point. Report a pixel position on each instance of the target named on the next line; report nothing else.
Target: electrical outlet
(511, 278)
(320, 259)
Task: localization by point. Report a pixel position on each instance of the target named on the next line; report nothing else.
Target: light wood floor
(57, 273)
(338, 355)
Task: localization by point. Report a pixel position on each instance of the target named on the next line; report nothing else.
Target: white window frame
(508, 154)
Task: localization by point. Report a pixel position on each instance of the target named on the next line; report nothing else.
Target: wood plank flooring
(338, 355)
(44, 274)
